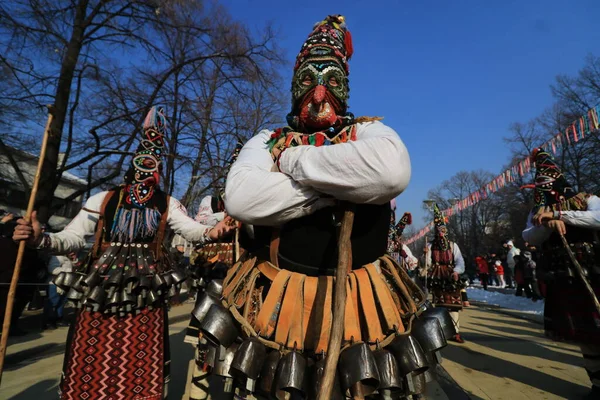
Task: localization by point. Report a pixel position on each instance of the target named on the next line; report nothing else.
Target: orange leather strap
(242, 295)
(239, 277)
(391, 316)
(368, 307)
(268, 270)
(351, 324)
(324, 328)
(310, 292)
(268, 314)
(285, 332)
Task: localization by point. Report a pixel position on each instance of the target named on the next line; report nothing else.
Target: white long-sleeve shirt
(510, 257)
(590, 219)
(74, 236)
(411, 260)
(459, 262)
(371, 170)
(206, 214)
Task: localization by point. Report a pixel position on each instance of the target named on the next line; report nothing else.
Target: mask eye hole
(333, 82)
(307, 80)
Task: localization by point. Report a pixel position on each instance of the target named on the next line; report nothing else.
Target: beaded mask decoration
(401, 225)
(146, 163)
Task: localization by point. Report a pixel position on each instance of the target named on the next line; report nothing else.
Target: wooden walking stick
(15, 278)
(339, 297)
(579, 270)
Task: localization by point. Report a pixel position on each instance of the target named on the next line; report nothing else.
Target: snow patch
(509, 301)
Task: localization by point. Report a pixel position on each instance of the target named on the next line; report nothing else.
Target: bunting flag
(585, 125)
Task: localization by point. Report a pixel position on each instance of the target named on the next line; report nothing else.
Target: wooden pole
(339, 297)
(15, 278)
(579, 270)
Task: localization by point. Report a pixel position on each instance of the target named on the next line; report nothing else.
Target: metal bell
(77, 284)
(432, 361)
(290, 376)
(140, 302)
(168, 279)
(215, 287)
(172, 291)
(114, 301)
(409, 354)
(145, 282)
(444, 319)
(267, 374)
(152, 299)
(115, 278)
(69, 280)
(132, 276)
(178, 277)
(358, 370)
(248, 359)
(317, 375)
(74, 295)
(390, 377)
(59, 280)
(224, 360)
(203, 304)
(414, 384)
(96, 298)
(218, 326)
(428, 332)
(91, 280)
(127, 300)
(158, 282)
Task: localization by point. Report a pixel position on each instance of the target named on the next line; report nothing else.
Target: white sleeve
(183, 225)
(257, 196)
(459, 262)
(74, 236)
(584, 219)
(411, 261)
(373, 169)
(428, 257)
(535, 235)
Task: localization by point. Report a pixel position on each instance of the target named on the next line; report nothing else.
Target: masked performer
(445, 264)
(396, 249)
(569, 312)
(117, 347)
(270, 323)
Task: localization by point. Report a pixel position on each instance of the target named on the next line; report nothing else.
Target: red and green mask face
(320, 89)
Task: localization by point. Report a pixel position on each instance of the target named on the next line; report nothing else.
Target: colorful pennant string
(587, 124)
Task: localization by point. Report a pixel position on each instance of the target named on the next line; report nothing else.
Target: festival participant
(445, 264)
(569, 312)
(117, 347)
(396, 249)
(288, 184)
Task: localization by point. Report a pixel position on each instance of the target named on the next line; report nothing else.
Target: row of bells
(124, 289)
(400, 369)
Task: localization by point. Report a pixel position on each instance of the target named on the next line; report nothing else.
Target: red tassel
(348, 44)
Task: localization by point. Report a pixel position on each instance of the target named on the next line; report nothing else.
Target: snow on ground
(503, 300)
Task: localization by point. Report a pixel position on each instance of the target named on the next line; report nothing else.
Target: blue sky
(448, 76)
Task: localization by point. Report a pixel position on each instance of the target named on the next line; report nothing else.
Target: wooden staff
(339, 297)
(581, 274)
(15, 278)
